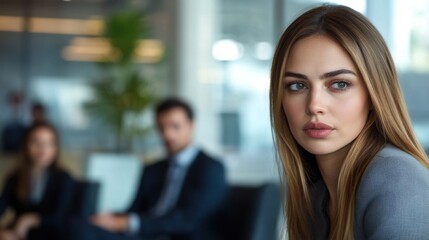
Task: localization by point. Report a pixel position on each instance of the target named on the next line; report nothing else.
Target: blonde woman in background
(353, 168)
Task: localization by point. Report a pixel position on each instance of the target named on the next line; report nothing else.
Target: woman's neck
(330, 167)
(37, 171)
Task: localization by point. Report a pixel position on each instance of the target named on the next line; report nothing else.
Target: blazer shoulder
(60, 179)
(63, 175)
(207, 161)
(394, 188)
(10, 183)
(393, 167)
(11, 179)
(157, 164)
(203, 155)
(161, 165)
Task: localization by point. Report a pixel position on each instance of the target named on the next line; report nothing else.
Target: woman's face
(42, 147)
(325, 100)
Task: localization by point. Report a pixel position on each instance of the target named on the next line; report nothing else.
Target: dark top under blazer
(54, 205)
(392, 200)
(203, 192)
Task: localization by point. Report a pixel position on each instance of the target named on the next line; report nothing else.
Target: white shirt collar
(186, 156)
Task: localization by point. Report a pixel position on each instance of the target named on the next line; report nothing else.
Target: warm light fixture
(66, 26)
(53, 25)
(92, 49)
(11, 24)
(149, 51)
(99, 50)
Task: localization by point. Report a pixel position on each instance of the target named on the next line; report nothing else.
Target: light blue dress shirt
(175, 177)
(38, 187)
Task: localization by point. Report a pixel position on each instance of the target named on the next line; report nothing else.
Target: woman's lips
(318, 130)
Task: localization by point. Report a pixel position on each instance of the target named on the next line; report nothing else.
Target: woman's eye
(340, 85)
(296, 86)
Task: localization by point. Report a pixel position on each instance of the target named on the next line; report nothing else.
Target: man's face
(175, 128)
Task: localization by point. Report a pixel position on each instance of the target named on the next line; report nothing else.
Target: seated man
(177, 198)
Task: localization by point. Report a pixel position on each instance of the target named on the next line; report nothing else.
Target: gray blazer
(392, 201)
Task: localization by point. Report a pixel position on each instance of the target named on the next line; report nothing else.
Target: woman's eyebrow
(296, 75)
(337, 72)
(323, 76)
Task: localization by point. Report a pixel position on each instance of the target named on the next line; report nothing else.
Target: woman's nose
(316, 104)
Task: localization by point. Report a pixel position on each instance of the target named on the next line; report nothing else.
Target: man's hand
(8, 235)
(111, 222)
(25, 223)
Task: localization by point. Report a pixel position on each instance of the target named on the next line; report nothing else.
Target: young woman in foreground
(39, 191)
(352, 165)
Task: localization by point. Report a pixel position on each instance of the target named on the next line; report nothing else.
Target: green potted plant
(122, 94)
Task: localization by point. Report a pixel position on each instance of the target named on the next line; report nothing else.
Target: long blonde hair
(388, 120)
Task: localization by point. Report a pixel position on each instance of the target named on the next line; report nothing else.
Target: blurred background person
(38, 113)
(39, 190)
(178, 197)
(14, 130)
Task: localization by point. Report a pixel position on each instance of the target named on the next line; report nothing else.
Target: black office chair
(86, 197)
(251, 213)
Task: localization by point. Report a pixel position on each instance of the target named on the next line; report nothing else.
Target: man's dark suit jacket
(203, 193)
(55, 204)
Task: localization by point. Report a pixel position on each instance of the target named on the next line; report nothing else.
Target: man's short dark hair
(38, 106)
(172, 103)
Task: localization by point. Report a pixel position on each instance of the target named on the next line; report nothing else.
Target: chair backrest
(251, 213)
(86, 196)
(119, 176)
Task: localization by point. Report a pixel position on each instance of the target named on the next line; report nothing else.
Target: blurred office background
(214, 53)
